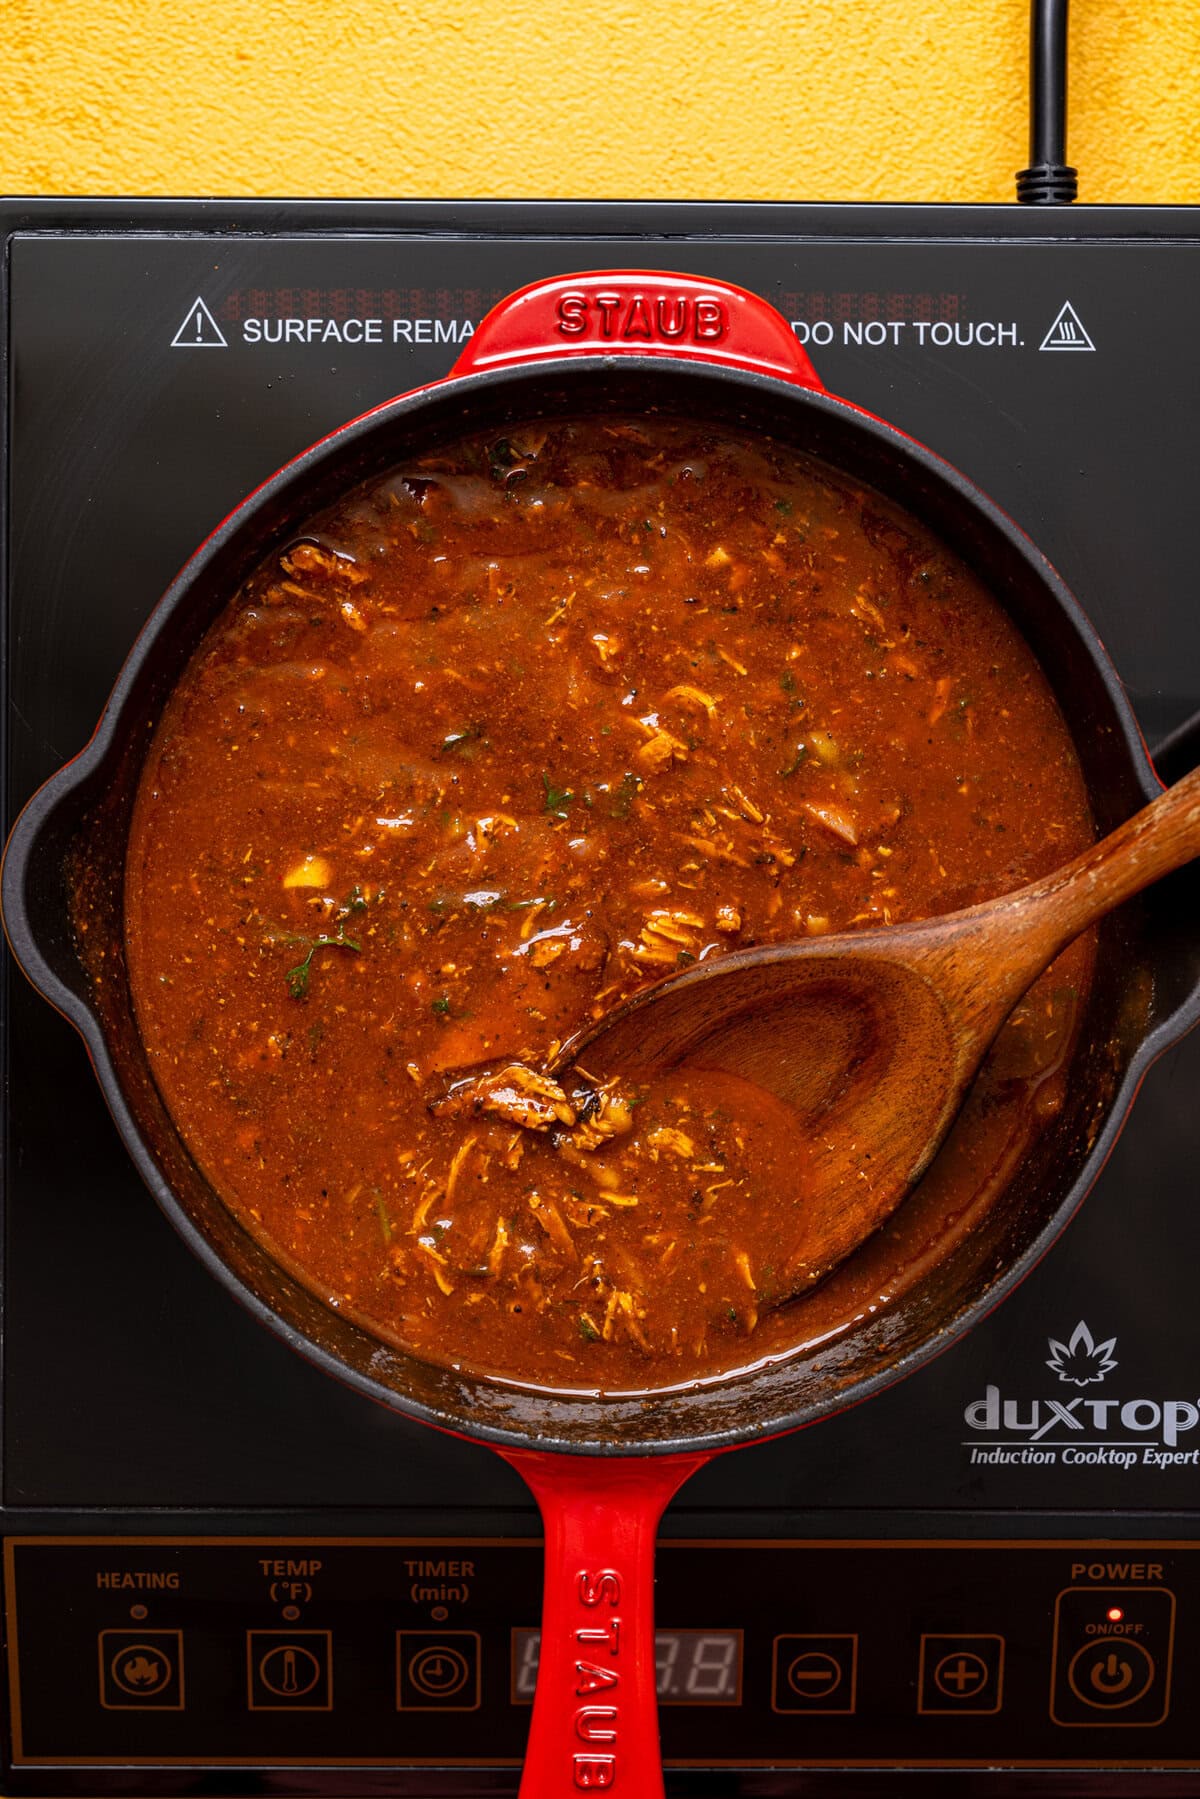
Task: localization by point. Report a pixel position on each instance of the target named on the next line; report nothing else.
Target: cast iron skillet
(604, 1468)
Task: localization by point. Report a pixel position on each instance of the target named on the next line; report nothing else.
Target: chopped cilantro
(506, 465)
(623, 798)
(501, 457)
(556, 800)
(484, 899)
(441, 1005)
(797, 759)
(461, 738)
(298, 977)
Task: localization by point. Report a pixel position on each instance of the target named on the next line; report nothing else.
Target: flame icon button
(141, 1670)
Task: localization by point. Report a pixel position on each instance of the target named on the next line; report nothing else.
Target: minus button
(815, 1674)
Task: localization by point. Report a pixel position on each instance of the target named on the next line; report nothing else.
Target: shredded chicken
(514, 1093)
(612, 1117)
(311, 560)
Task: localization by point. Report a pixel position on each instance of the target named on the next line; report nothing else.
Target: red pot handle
(595, 1709)
(640, 312)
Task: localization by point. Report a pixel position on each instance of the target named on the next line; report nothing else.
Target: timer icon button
(437, 1670)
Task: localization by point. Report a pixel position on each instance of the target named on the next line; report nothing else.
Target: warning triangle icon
(1067, 332)
(199, 331)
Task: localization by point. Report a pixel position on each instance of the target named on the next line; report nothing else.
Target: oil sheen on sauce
(493, 743)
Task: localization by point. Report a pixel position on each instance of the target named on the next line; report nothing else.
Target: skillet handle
(639, 312)
(595, 1710)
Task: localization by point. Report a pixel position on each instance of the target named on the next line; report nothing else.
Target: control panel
(248, 1652)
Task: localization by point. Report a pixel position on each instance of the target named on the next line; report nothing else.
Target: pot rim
(112, 732)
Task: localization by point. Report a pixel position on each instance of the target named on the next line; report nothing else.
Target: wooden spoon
(873, 1038)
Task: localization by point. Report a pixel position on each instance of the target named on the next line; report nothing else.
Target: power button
(1112, 1656)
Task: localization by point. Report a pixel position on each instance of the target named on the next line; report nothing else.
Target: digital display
(694, 1667)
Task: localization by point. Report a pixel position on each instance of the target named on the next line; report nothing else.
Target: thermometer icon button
(289, 1671)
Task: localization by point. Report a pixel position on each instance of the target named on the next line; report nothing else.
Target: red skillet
(604, 1467)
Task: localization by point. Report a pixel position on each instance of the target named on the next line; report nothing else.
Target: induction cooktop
(225, 1573)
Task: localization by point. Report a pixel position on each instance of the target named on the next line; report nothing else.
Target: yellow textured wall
(704, 99)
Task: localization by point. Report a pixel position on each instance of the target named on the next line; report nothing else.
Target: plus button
(961, 1673)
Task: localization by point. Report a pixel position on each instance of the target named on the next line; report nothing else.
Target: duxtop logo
(1082, 1361)
(1086, 1429)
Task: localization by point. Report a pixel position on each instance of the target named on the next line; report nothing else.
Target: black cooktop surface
(162, 359)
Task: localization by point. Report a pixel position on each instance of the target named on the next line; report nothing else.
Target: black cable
(1049, 180)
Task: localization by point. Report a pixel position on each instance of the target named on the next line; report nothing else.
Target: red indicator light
(1115, 1614)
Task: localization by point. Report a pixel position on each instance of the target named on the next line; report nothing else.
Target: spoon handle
(1160, 838)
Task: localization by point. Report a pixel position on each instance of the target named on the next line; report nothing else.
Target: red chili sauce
(497, 741)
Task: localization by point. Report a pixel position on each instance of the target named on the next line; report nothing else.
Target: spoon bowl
(870, 1040)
